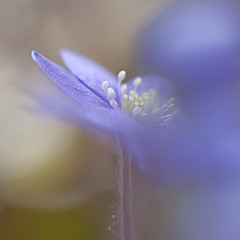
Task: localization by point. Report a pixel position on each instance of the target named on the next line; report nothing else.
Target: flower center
(143, 106)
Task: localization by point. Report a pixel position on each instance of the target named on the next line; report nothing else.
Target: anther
(170, 106)
(121, 75)
(105, 86)
(131, 98)
(137, 110)
(173, 114)
(148, 107)
(111, 93)
(123, 88)
(114, 104)
(169, 103)
(137, 82)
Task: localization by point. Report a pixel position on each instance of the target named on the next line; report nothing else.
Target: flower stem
(124, 161)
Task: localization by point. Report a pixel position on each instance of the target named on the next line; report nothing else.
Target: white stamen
(105, 86)
(167, 120)
(137, 82)
(114, 104)
(137, 111)
(167, 108)
(125, 96)
(123, 88)
(148, 107)
(169, 102)
(111, 93)
(173, 114)
(131, 98)
(121, 75)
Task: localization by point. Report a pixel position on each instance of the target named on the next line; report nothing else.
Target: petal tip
(35, 55)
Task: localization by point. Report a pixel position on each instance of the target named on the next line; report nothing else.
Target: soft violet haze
(193, 42)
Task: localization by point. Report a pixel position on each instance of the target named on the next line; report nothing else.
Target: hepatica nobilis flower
(129, 112)
(105, 102)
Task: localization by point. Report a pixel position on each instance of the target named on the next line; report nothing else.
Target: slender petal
(67, 82)
(57, 107)
(107, 120)
(89, 71)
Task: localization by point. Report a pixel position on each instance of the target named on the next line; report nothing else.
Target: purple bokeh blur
(193, 43)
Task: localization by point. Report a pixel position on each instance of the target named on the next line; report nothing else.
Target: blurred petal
(67, 82)
(89, 71)
(207, 211)
(180, 158)
(108, 120)
(57, 107)
(111, 121)
(194, 43)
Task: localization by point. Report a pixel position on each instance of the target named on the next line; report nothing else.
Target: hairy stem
(124, 161)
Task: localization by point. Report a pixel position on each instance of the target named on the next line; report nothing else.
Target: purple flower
(132, 112)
